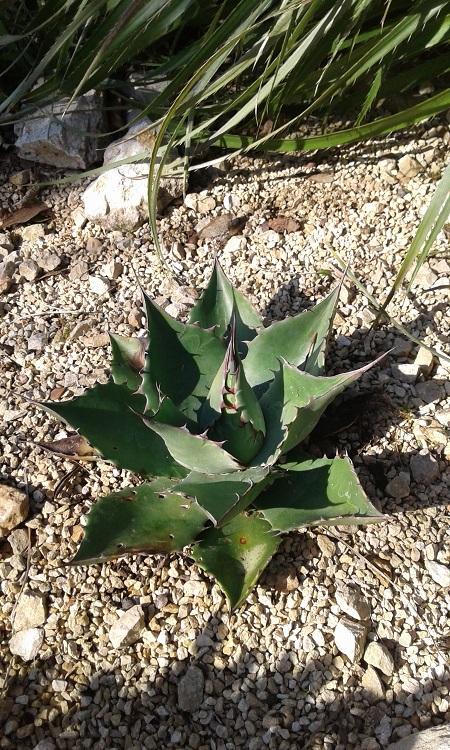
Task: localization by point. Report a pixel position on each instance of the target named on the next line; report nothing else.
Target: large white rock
(60, 135)
(31, 611)
(13, 508)
(128, 628)
(435, 738)
(26, 643)
(118, 198)
(377, 655)
(350, 637)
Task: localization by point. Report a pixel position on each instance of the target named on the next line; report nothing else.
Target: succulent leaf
(233, 409)
(236, 554)
(301, 341)
(181, 361)
(195, 452)
(219, 303)
(319, 492)
(293, 405)
(128, 357)
(226, 495)
(105, 416)
(147, 518)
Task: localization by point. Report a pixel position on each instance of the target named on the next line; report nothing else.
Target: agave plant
(206, 412)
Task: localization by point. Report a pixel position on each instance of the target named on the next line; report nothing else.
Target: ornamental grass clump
(206, 413)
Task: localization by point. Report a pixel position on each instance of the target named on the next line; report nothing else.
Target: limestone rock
(377, 655)
(18, 539)
(32, 232)
(59, 136)
(352, 602)
(118, 198)
(99, 285)
(49, 261)
(37, 342)
(29, 269)
(350, 638)
(13, 508)
(373, 684)
(7, 269)
(424, 360)
(31, 611)
(326, 545)
(424, 467)
(439, 573)
(128, 628)
(408, 167)
(26, 643)
(435, 738)
(190, 690)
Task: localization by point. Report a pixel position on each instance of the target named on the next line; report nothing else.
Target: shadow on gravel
(237, 701)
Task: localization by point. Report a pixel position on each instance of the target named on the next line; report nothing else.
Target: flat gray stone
(424, 467)
(398, 487)
(435, 738)
(59, 137)
(190, 690)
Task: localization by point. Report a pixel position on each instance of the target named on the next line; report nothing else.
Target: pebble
(373, 684)
(439, 573)
(49, 261)
(32, 232)
(128, 628)
(37, 342)
(29, 269)
(18, 539)
(353, 603)
(79, 271)
(190, 690)
(424, 360)
(14, 508)
(31, 611)
(398, 487)
(26, 643)
(405, 373)
(409, 167)
(6, 276)
(378, 656)
(350, 638)
(99, 285)
(326, 545)
(424, 467)
(136, 317)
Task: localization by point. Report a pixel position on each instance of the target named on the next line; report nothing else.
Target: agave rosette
(203, 411)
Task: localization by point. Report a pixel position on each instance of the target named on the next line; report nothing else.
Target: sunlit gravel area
(345, 642)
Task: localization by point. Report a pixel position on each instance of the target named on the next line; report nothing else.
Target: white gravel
(272, 673)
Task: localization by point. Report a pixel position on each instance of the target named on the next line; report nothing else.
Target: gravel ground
(270, 675)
